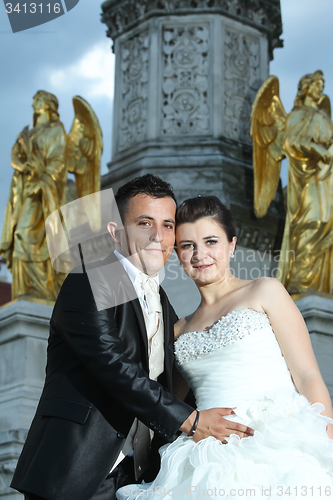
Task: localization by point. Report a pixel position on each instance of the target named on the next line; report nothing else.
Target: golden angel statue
(305, 138)
(41, 158)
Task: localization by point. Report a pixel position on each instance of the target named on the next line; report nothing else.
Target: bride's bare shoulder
(181, 325)
(264, 293)
(266, 283)
(266, 288)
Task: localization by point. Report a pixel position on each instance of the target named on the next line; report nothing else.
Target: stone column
(185, 80)
(317, 310)
(24, 330)
(187, 72)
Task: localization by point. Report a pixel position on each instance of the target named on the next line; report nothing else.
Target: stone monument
(24, 330)
(187, 73)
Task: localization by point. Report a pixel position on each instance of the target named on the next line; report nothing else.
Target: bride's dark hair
(194, 209)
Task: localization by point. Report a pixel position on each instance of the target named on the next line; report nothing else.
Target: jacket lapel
(129, 290)
(168, 342)
(139, 315)
(166, 376)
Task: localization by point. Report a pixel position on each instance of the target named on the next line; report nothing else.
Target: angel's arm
(311, 148)
(16, 161)
(19, 160)
(48, 170)
(54, 152)
(303, 138)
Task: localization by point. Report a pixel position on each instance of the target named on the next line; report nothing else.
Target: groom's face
(149, 232)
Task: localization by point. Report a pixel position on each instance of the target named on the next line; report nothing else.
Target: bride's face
(204, 250)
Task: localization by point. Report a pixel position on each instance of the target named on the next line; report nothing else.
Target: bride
(247, 347)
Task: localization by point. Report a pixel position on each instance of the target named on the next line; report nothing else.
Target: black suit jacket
(96, 384)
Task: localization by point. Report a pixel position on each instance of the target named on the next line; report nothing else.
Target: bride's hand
(212, 423)
(329, 430)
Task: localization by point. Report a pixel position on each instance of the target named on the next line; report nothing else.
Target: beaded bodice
(230, 328)
(237, 359)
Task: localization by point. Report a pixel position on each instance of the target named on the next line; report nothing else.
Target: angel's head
(311, 85)
(44, 102)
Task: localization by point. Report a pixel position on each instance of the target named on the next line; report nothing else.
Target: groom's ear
(114, 231)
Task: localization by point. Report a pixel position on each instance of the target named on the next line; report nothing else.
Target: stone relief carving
(185, 80)
(241, 81)
(6, 475)
(254, 238)
(134, 90)
(11, 443)
(121, 16)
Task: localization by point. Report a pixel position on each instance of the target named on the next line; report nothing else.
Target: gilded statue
(42, 157)
(305, 138)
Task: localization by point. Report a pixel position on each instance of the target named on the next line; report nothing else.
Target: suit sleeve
(93, 336)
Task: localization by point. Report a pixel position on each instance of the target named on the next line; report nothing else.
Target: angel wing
(84, 148)
(267, 129)
(324, 103)
(83, 157)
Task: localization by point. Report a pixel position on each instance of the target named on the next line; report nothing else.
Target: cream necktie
(141, 440)
(153, 303)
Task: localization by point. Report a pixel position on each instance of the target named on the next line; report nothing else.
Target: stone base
(317, 310)
(24, 330)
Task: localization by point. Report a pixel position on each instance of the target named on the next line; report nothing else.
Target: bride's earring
(232, 255)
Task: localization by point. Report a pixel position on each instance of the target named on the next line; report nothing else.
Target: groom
(109, 364)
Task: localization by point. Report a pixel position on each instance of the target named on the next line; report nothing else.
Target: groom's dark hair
(146, 184)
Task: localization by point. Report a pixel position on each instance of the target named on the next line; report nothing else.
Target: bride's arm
(294, 340)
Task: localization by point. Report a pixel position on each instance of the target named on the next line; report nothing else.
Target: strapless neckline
(220, 321)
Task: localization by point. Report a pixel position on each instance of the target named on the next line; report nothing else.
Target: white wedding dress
(238, 363)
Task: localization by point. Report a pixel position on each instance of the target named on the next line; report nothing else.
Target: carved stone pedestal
(24, 330)
(187, 73)
(186, 76)
(317, 310)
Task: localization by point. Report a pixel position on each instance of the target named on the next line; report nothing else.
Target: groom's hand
(212, 423)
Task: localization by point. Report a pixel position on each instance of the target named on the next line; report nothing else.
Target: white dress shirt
(155, 343)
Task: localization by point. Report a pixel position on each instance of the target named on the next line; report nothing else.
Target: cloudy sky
(72, 55)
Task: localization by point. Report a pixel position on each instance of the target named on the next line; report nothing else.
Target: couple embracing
(118, 374)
